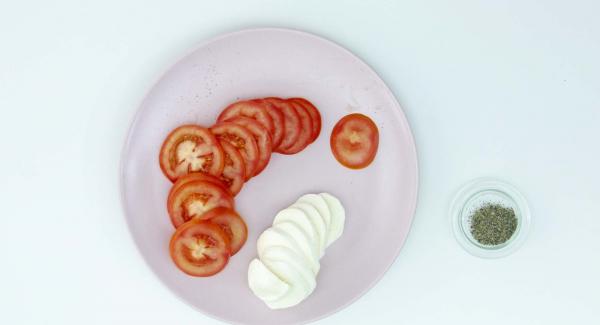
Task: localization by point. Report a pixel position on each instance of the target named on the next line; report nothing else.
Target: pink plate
(379, 200)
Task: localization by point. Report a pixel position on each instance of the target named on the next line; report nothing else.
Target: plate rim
(135, 119)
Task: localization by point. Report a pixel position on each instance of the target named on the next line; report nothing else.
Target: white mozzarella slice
(291, 257)
(276, 237)
(315, 219)
(299, 218)
(319, 203)
(264, 283)
(309, 249)
(338, 217)
(298, 288)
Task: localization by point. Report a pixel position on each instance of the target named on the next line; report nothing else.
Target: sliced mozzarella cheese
(319, 203)
(298, 288)
(315, 219)
(275, 237)
(309, 249)
(292, 258)
(298, 217)
(264, 283)
(338, 217)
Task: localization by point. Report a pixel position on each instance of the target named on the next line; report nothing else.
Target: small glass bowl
(472, 196)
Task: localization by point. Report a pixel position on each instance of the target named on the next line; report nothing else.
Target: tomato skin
(242, 139)
(190, 134)
(251, 109)
(195, 177)
(186, 201)
(291, 122)
(232, 225)
(278, 121)
(205, 236)
(263, 141)
(234, 172)
(306, 130)
(354, 141)
(314, 114)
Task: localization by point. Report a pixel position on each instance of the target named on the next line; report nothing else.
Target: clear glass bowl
(472, 196)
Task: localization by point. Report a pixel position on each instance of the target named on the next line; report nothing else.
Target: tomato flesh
(278, 121)
(251, 109)
(314, 114)
(305, 132)
(200, 248)
(242, 139)
(194, 198)
(188, 149)
(232, 225)
(263, 140)
(291, 130)
(354, 141)
(234, 172)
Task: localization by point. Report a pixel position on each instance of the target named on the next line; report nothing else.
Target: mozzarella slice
(292, 258)
(298, 287)
(264, 283)
(319, 203)
(338, 217)
(308, 248)
(298, 217)
(315, 219)
(275, 237)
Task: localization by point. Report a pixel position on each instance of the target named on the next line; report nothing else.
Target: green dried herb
(493, 224)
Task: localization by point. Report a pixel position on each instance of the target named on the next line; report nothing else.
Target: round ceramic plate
(379, 200)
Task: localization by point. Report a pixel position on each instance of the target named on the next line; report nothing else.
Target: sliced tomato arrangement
(242, 139)
(278, 121)
(209, 166)
(306, 131)
(234, 172)
(232, 225)
(263, 140)
(200, 248)
(354, 141)
(190, 148)
(292, 125)
(194, 198)
(251, 109)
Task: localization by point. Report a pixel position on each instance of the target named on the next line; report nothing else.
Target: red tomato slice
(190, 148)
(306, 130)
(291, 122)
(354, 141)
(314, 114)
(195, 177)
(232, 225)
(278, 121)
(242, 139)
(234, 173)
(200, 248)
(251, 109)
(192, 199)
(263, 140)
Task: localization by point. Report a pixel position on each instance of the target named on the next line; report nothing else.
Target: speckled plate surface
(379, 200)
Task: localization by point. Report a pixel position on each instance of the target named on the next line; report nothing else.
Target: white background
(509, 89)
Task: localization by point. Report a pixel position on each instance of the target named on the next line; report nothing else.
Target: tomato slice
(195, 177)
(251, 109)
(200, 248)
(192, 199)
(263, 140)
(242, 139)
(190, 148)
(314, 114)
(234, 173)
(232, 225)
(354, 141)
(291, 130)
(306, 130)
(278, 121)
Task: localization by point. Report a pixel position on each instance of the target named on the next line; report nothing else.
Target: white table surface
(509, 89)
